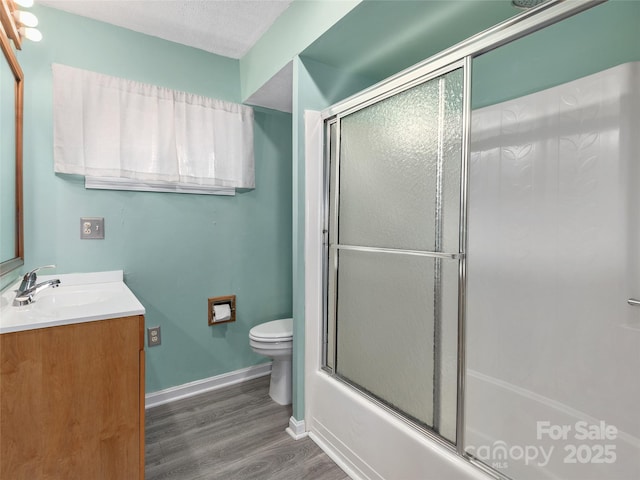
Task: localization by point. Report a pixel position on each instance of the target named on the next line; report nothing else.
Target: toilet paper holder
(229, 300)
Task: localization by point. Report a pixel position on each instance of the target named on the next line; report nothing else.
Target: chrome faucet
(28, 289)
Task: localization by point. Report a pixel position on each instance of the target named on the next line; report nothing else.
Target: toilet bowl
(275, 340)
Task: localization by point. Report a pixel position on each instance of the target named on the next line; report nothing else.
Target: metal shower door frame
(332, 245)
(457, 56)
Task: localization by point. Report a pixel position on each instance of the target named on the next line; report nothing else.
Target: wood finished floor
(236, 432)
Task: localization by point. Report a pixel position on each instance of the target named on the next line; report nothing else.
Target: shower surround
(553, 258)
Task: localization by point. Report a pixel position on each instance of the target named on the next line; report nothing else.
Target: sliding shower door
(393, 251)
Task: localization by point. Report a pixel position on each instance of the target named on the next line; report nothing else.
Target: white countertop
(81, 297)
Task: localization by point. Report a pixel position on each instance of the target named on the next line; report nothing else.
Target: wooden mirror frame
(8, 30)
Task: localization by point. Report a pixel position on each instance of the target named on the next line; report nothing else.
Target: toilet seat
(275, 331)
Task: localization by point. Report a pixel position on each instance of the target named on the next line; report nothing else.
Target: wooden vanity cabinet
(72, 401)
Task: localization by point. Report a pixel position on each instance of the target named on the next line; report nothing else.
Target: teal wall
(379, 38)
(599, 38)
(176, 250)
(292, 32)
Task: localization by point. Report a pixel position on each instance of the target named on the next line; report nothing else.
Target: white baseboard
(296, 429)
(206, 385)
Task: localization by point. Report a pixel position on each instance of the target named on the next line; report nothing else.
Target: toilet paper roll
(221, 312)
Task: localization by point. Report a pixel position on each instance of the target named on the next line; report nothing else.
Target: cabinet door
(70, 401)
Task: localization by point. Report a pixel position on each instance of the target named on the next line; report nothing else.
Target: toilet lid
(274, 331)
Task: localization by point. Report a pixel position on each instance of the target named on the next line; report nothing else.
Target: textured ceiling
(224, 27)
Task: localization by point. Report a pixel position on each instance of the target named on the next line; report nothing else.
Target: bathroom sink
(75, 296)
(79, 298)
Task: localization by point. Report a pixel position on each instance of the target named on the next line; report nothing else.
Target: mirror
(11, 98)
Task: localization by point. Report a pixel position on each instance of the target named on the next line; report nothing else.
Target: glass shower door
(394, 250)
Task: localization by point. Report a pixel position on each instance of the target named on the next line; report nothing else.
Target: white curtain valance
(111, 127)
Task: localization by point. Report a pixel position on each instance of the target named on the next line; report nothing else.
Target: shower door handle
(633, 302)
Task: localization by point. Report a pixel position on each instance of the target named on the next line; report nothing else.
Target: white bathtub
(530, 437)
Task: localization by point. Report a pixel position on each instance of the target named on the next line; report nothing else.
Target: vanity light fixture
(30, 33)
(26, 19)
(19, 24)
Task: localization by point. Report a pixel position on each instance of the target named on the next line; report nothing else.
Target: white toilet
(275, 340)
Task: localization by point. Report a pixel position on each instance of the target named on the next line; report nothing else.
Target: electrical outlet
(153, 336)
(92, 228)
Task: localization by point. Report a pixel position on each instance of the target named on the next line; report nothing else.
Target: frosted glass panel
(451, 152)
(446, 391)
(393, 159)
(392, 326)
(385, 328)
